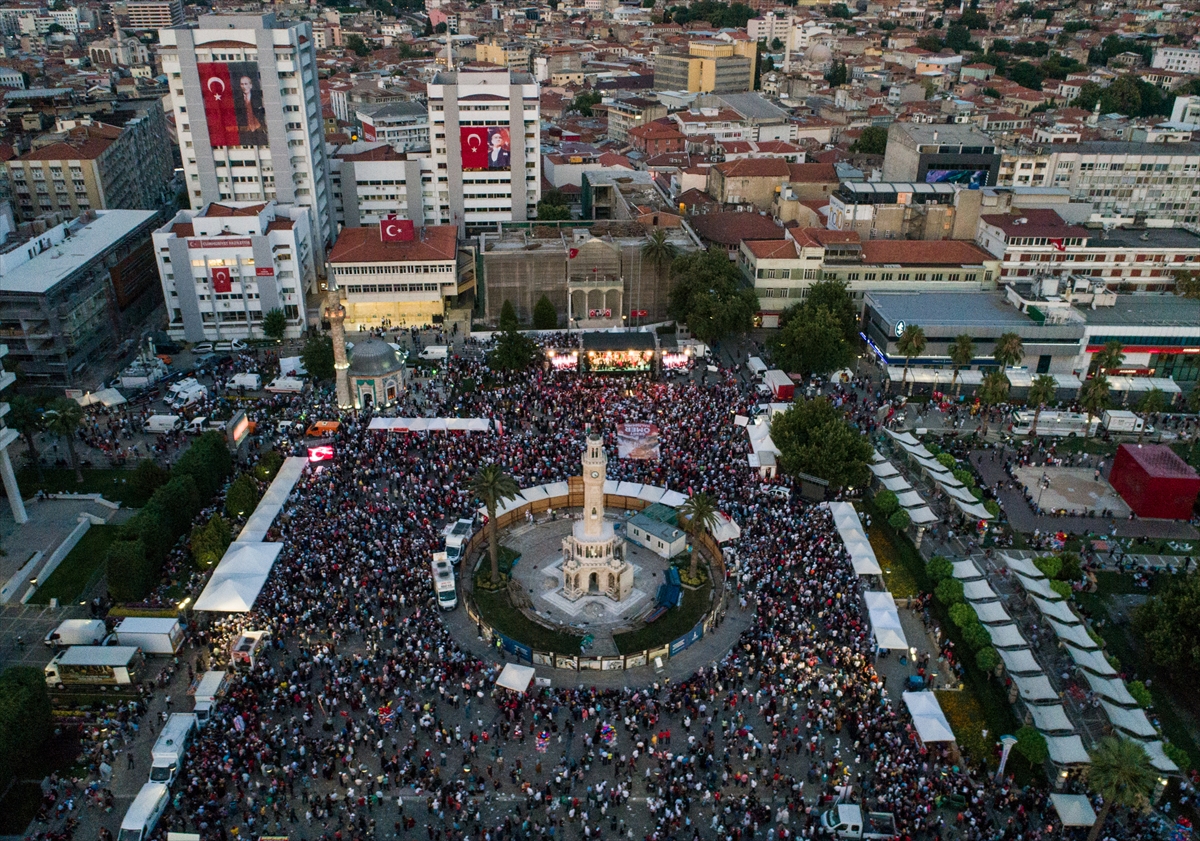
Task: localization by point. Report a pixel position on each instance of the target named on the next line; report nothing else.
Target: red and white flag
(1058, 244)
(221, 279)
(392, 229)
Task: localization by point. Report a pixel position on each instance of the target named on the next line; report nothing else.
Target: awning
(1035, 688)
(726, 529)
(1019, 661)
(903, 437)
(105, 397)
(1074, 809)
(1022, 565)
(248, 559)
(1019, 378)
(885, 620)
(1159, 758)
(1067, 750)
(991, 613)
(535, 494)
(979, 591)
(273, 500)
(1074, 634)
(895, 483)
(1050, 718)
(1038, 587)
(977, 511)
(1164, 384)
(1111, 688)
(652, 493)
(1067, 381)
(1056, 610)
(916, 450)
(966, 571)
(922, 516)
(960, 493)
(230, 593)
(633, 489)
(557, 489)
(884, 469)
(910, 499)
(674, 499)
(1133, 722)
(514, 677)
(928, 717)
(430, 424)
(1007, 636)
(1093, 660)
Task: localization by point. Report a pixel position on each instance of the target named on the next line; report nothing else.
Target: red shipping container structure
(1155, 481)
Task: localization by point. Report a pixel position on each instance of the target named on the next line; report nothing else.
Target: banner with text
(637, 441)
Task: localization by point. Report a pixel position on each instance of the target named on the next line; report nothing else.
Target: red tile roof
(217, 211)
(771, 249)
(1040, 222)
(363, 245)
(754, 168)
(732, 227)
(946, 252)
(812, 173)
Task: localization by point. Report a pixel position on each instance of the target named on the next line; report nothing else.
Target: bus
(443, 581)
(1053, 424)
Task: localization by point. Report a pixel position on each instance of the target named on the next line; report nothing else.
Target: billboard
(233, 103)
(972, 179)
(485, 148)
(637, 441)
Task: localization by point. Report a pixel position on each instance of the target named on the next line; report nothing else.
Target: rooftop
(363, 245)
(1038, 222)
(946, 252)
(947, 134)
(947, 309)
(1148, 238)
(1160, 461)
(618, 341)
(1147, 310)
(732, 227)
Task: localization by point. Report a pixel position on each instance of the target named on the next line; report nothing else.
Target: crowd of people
(365, 718)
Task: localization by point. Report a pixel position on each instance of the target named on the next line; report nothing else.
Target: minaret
(594, 464)
(336, 313)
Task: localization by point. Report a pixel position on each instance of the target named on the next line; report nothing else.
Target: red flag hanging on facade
(572, 253)
(474, 140)
(1058, 244)
(219, 110)
(221, 279)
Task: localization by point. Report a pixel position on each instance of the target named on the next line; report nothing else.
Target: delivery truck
(166, 756)
(434, 353)
(285, 385)
(1124, 422)
(77, 632)
(781, 385)
(162, 424)
(443, 581)
(152, 636)
(142, 816)
(250, 382)
(96, 665)
(207, 691)
(457, 536)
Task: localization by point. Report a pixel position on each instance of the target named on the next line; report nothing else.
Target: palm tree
(1041, 391)
(697, 514)
(1094, 399)
(911, 343)
(1109, 357)
(1153, 403)
(492, 485)
(25, 417)
(1008, 350)
(993, 390)
(63, 419)
(962, 353)
(659, 252)
(1122, 775)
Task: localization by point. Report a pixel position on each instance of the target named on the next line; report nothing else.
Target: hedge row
(25, 719)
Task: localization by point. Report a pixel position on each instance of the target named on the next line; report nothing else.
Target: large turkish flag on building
(392, 229)
(219, 110)
(221, 280)
(474, 147)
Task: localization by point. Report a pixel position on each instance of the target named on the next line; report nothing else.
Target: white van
(162, 424)
(143, 814)
(437, 352)
(151, 635)
(210, 688)
(756, 367)
(167, 754)
(77, 632)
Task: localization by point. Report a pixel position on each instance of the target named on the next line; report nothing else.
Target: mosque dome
(375, 358)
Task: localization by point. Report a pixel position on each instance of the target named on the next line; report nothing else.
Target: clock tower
(594, 554)
(594, 464)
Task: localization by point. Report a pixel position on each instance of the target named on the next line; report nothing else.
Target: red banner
(392, 229)
(221, 280)
(268, 272)
(474, 147)
(233, 103)
(368, 131)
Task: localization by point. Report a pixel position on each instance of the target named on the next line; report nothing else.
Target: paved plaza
(1071, 490)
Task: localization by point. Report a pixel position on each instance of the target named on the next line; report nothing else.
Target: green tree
(900, 520)
(357, 45)
(1111, 356)
(26, 721)
(975, 635)
(1026, 75)
(710, 297)
(545, 316)
(840, 11)
(992, 92)
(1041, 391)
(268, 465)
(1168, 625)
(993, 391)
(508, 317)
(274, 324)
(492, 485)
(911, 344)
(814, 438)
(659, 252)
(148, 477)
(26, 418)
(1094, 399)
(317, 357)
(128, 571)
(513, 352)
(209, 541)
(1031, 744)
(1008, 351)
(962, 614)
(547, 212)
(872, 141)
(987, 659)
(1187, 283)
(837, 75)
(697, 515)
(814, 344)
(958, 37)
(585, 101)
(939, 568)
(1152, 403)
(241, 497)
(63, 418)
(1122, 775)
(962, 354)
(776, 45)
(886, 502)
(1193, 400)
(948, 591)
(834, 296)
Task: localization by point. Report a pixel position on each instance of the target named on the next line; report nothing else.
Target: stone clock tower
(593, 554)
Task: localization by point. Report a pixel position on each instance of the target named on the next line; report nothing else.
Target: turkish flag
(221, 280)
(392, 229)
(474, 147)
(572, 253)
(1058, 244)
(219, 111)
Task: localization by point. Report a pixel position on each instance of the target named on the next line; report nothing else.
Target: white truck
(209, 689)
(162, 424)
(286, 385)
(1054, 424)
(174, 389)
(443, 581)
(98, 665)
(849, 821)
(457, 536)
(250, 382)
(153, 636)
(185, 398)
(77, 632)
(200, 425)
(143, 814)
(756, 367)
(435, 352)
(1125, 422)
(167, 754)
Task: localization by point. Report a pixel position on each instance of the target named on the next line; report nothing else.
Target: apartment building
(708, 67)
(1177, 59)
(402, 125)
(371, 181)
(153, 14)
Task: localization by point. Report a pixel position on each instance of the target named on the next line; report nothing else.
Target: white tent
(1111, 688)
(1067, 750)
(1056, 610)
(514, 677)
(1133, 722)
(1024, 566)
(633, 489)
(106, 397)
(535, 494)
(1159, 758)
(910, 499)
(1035, 688)
(1073, 809)
(1068, 381)
(928, 717)
(290, 366)
(884, 469)
(991, 613)
(903, 437)
(876, 456)
(726, 529)
(895, 483)
(1091, 659)
(248, 559)
(230, 593)
(917, 450)
(885, 620)
(1007, 636)
(966, 571)
(862, 558)
(979, 591)
(556, 489)
(977, 511)
(960, 493)
(922, 516)
(1019, 661)
(1074, 634)
(760, 438)
(651, 493)
(1050, 718)
(273, 500)
(1037, 587)
(1018, 377)
(1164, 384)
(673, 499)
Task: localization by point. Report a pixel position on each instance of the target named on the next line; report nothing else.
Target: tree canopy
(813, 343)
(317, 357)
(814, 438)
(1169, 626)
(872, 141)
(710, 297)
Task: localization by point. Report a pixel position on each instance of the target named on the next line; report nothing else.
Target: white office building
(223, 267)
(248, 114)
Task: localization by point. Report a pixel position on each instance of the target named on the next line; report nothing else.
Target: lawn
(1189, 453)
(670, 626)
(70, 580)
(1158, 546)
(499, 612)
(1091, 446)
(112, 482)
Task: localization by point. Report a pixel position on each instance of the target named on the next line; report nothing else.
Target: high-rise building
(708, 67)
(248, 114)
(154, 14)
(9, 436)
(484, 132)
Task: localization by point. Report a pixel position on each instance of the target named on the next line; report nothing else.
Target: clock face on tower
(595, 474)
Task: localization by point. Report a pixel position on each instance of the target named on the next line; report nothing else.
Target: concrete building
(248, 115)
(904, 210)
(88, 165)
(506, 54)
(470, 113)
(1178, 59)
(708, 67)
(153, 14)
(9, 436)
(371, 180)
(629, 112)
(402, 283)
(225, 266)
(12, 79)
(402, 125)
(944, 153)
(71, 295)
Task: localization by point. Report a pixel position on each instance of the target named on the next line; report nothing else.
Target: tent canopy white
(884, 469)
(895, 483)
(633, 489)
(248, 558)
(1092, 660)
(1067, 750)
(106, 397)
(1159, 758)
(1164, 384)
(651, 493)
(928, 717)
(673, 499)
(960, 493)
(1074, 634)
(1024, 566)
(514, 677)
(535, 494)
(922, 516)
(1074, 809)
(1051, 718)
(1056, 610)
(1037, 587)
(1067, 381)
(991, 613)
(885, 620)
(556, 489)
(910, 499)
(917, 450)
(1018, 378)
(977, 511)
(1007, 636)
(1111, 688)
(1019, 661)
(273, 500)
(1133, 722)
(903, 437)
(966, 571)
(230, 593)
(978, 591)
(726, 529)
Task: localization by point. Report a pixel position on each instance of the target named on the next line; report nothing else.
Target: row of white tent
(1114, 697)
(1024, 379)
(962, 498)
(243, 570)
(431, 424)
(911, 501)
